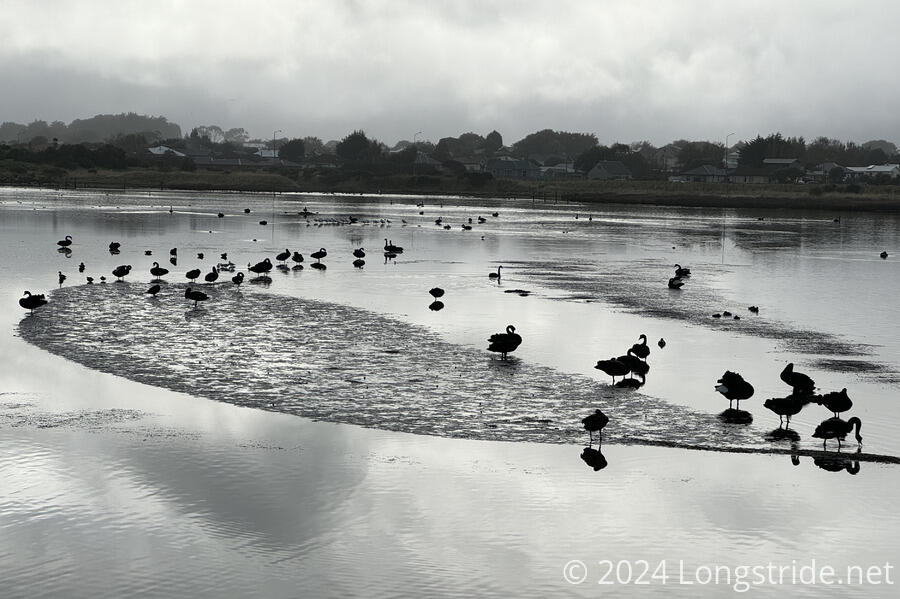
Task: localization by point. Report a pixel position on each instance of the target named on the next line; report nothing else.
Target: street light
(274, 133)
(726, 148)
(416, 157)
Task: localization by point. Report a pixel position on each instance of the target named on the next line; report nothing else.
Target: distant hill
(100, 128)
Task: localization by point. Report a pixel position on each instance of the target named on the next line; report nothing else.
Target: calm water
(116, 487)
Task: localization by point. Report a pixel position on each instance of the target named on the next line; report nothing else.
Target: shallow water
(265, 504)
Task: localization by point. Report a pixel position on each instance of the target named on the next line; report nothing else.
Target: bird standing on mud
(504, 343)
(595, 423)
(32, 302)
(195, 296)
(836, 428)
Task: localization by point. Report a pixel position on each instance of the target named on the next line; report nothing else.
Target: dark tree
(355, 147)
(493, 142)
(294, 150)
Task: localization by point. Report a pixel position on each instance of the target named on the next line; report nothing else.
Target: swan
(261, 267)
(836, 428)
(836, 401)
(883, 255)
(676, 283)
(661, 343)
(195, 296)
(157, 271)
(786, 406)
(114, 247)
(613, 368)
(212, 275)
(122, 271)
(62, 278)
(81, 267)
(682, 271)
(283, 256)
(154, 289)
(634, 364)
(798, 381)
(595, 423)
(360, 253)
(238, 278)
(192, 274)
(32, 302)
(495, 275)
(641, 350)
(754, 309)
(65, 242)
(733, 386)
(319, 255)
(505, 342)
(436, 292)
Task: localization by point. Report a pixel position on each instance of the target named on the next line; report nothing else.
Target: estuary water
(153, 447)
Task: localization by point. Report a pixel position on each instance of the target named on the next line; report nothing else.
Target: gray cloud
(622, 70)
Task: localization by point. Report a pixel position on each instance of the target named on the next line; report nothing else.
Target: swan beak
(721, 388)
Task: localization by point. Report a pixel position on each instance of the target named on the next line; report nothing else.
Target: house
(162, 150)
(507, 167)
(609, 170)
(782, 163)
(890, 171)
(564, 170)
(706, 174)
(773, 170)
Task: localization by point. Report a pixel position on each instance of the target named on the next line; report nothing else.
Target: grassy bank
(865, 197)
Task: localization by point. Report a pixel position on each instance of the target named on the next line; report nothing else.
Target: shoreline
(872, 198)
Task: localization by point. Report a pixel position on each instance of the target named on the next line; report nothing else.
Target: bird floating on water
(436, 292)
(883, 255)
(681, 271)
(661, 343)
(495, 275)
(504, 343)
(65, 242)
(641, 350)
(81, 267)
(676, 283)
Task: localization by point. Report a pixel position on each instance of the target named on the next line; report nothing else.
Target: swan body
(154, 289)
(836, 428)
(504, 343)
(595, 423)
(798, 381)
(613, 368)
(157, 271)
(641, 350)
(676, 283)
(195, 296)
(192, 274)
(786, 407)
(836, 401)
(436, 292)
(65, 242)
(32, 302)
(734, 388)
(212, 275)
(682, 271)
(122, 271)
(495, 275)
(319, 255)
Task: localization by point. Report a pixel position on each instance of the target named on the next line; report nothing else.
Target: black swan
(114, 247)
(436, 292)
(836, 428)
(261, 268)
(238, 278)
(676, 283)
(157, 271)
(495, 275)
(192, 274)
(360, 253)
(595, 423)
(613, 368)
(799, 382)
(641, 350)
(734, 388)
(661, 343)
(786, 407)
(283, 256)
(195, 296)
(65, 242)
(154, 289)
(505, 342)
(32, 302)
(62, 278)
(122, 271)
(682, 271)
(836, 401)
(319, 255)
(81, 267)
(212, 276)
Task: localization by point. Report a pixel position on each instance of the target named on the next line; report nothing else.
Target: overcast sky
(624, 70)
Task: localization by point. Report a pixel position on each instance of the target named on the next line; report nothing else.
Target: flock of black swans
(633, 363)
